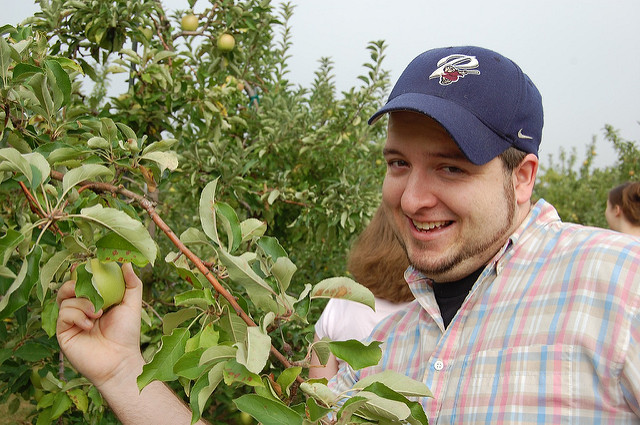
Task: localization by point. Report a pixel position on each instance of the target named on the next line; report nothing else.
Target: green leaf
(113, 247)
(160, 368)
(61, 79)
(18, 293)
(322, 350)
(266, 411)
(163, 54)
(44, 417)
(233, 325)
(67, 63)
(49, 270)
(40, 88)
(165, 160)
(271, 247)
(356, 353)
(241, 272)
(207, 337)
(188, 365)
(79, 399)
(230, 223)
(283, 271)
(32, 352)
(97, 142)
(235, 372)
(344, 288)
(23, 70)
(161, 146)
(85, 288)
(398, 382)
(194, 236)
(5, 60)
(417, 412)
(50, 317)
(196, 297)
(84, 172)
(380, 408)
(108, 129)
(319, 391)
(252, 228)
(127, 131)
(128, 228)
(39, 165)
(349, 408)
(217, 353)
(181, 265)
(8, 244)
(61, 403)
(172, 320)
(12, 160)
(207, 211)
(288, 377)
(202, 390)
(5, 354)
(255, 352)
(315, 411)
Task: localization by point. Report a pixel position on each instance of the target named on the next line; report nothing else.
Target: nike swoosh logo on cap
(523, 136)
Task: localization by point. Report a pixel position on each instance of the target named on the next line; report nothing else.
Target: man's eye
(396, 163)
(453, 170)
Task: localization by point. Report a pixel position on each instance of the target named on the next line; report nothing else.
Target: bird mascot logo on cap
(453, 67)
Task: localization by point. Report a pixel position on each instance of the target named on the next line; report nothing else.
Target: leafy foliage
(217, 150)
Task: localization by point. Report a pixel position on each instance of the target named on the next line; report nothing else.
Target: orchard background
(217, 170)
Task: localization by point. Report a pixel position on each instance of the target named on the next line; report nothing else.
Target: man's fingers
(73, 317)
(67, 290)
(133, 292)
(130, 278)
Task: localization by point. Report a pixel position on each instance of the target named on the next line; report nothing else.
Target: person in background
(623, 208)
(378, 262)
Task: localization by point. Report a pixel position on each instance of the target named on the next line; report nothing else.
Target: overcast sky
(584, 55)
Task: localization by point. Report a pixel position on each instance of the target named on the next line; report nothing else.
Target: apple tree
(233, 191)
(579, 190)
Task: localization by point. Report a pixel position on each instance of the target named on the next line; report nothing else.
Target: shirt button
(438, 365)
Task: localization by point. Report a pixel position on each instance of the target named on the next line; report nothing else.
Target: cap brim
(476, 141)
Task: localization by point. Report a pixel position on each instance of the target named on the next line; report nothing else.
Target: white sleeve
(323, 325)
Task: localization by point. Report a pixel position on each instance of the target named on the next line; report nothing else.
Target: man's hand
(102, 346)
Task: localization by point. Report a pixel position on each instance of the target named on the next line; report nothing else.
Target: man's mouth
(430, 225)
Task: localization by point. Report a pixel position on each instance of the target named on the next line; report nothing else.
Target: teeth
(429, 226)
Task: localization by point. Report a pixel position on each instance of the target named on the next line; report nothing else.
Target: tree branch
(149, 207)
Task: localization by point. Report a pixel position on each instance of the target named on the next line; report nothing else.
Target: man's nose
(419, 193)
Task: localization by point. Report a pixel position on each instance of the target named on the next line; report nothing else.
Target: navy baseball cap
(483, 99)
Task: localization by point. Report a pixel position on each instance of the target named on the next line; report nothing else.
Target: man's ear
(524, 178)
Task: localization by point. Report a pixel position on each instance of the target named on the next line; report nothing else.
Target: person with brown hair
(377, 261)
(623, 208)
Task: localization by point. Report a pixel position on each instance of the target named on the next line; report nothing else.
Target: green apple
(245, 419)
(226, 42)
(189, 22)
(148, 33)
(108, 281)
(35, 379)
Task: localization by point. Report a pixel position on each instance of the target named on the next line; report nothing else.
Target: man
(518, 318)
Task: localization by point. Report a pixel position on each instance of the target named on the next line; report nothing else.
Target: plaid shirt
(549, 334)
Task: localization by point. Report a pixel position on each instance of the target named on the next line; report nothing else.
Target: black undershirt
(451, 295)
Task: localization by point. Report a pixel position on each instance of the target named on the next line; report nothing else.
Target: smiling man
(518, 318)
